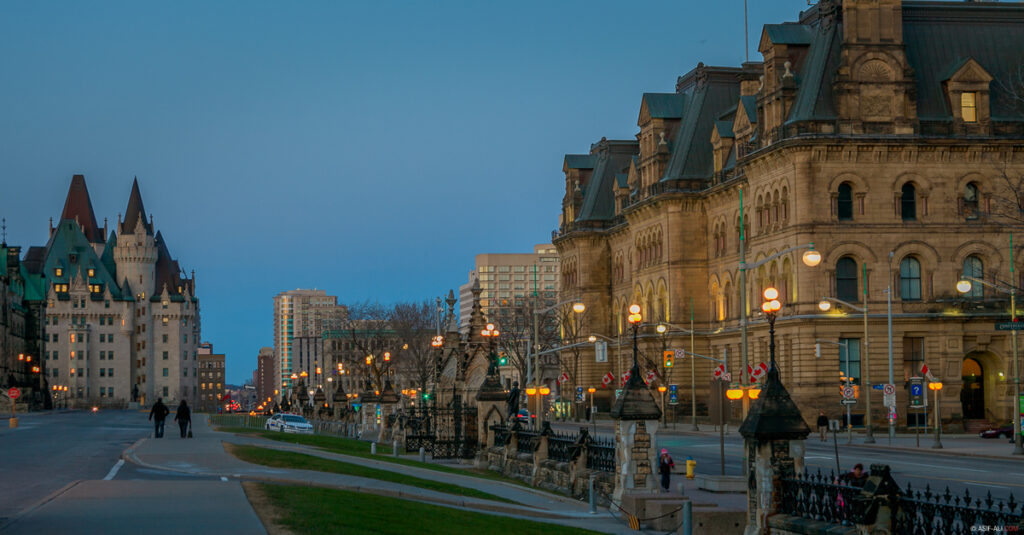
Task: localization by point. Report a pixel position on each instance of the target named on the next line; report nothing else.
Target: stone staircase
(976, 426)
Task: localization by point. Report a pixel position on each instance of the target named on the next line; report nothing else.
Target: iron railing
(816, 497)
(601, 455)
(929, 513)
(527, 441)
(560, 447)
(501, 434)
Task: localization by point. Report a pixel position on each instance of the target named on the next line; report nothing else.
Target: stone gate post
(637, 417)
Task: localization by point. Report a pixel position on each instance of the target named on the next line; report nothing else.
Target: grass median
(361, 448)
(302, 461)
(314, 510)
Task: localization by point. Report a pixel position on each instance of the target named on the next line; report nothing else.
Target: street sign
(877, 387)
(833, 425)
(848, 392)
(579, 394)
(917, 397)
(890, 389)
(889, 400)
(13, 393)
(1010, 326)
(601, 351)
(727, 377)
(848, 401)
(673, 394)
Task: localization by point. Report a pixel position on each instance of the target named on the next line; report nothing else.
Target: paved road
(60, 448)
(1001, 477)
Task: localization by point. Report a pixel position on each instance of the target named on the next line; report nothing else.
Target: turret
(136, 250)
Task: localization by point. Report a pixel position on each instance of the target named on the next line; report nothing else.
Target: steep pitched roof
(135, 211)
(788, 34)
(710, 91)
(168, 273)
(579, 161)
(599, 197)
(78, 207)
(107, 259)
(71, 251)
(814, 100)
(663, 105)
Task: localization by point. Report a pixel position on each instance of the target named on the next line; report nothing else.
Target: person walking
(158, 413)
(665, 466)
(822, 424)
(183, 417)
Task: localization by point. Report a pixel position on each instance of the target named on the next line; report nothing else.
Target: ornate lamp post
(771, 307)
(825, 305)
(634, 321)
(936, 386)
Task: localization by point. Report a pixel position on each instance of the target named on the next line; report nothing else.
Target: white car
(289, 423)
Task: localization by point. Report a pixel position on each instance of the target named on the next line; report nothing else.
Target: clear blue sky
(367, 148)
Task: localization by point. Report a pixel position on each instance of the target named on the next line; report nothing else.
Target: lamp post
(662, 328)
(577, 307)
(824, 306)
(935, 386)
(591, 391)
(634, 321)
(964, 286)
(811, 258)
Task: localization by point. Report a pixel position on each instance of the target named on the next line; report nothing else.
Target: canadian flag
(926, 372)
(607, 380)
(563, 378)
(719, 371)
(651, 376)
(625, 377)
(757, 372)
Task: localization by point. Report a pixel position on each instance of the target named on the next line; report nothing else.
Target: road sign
(673, 394)
(917, 397)
(877, 387)
(890, 389)
(1010, 326)
(848, 401)
(579, 394)
(601, 351)
(848, 392)
(13, 393)
(889, 400)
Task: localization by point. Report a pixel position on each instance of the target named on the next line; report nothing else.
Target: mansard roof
(135, 211)
(579, 161)
(662, 105)
(709, 91)
(78, 207)
(814, 100)
(612, 157)
(787, 34)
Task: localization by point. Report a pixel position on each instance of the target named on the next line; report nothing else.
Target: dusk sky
(370, 149)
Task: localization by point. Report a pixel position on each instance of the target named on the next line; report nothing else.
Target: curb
(32, 508)
(937, 452)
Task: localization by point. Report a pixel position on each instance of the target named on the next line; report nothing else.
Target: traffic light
(669, 356)
(502, 360)
(426, 396)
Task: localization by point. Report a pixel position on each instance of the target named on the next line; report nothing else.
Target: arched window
(844, 204)
(975, 269)
(971, 201)
(846, 279)
(908, 202)
(910, 279)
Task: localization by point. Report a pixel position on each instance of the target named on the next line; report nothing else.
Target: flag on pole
(926, 372)
(719, 371)
(625, 377)
(758, 372)
(607, 380)
(563, 378)
(651, 376)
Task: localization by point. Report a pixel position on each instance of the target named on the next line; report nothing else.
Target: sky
(370, 149)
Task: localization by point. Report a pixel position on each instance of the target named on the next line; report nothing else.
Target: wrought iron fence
(527, 441)
(929, 513)
(816, 497)
(560, 447)
(601, 455)
(501, 434)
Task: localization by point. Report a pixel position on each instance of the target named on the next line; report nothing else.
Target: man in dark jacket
(822, 424)
(183, 417)
(157, 414)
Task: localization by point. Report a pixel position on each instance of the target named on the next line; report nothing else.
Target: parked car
(996, 432)
(524, 416)
(289, 423)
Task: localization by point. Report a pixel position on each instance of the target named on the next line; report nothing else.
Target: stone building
(211, 381)
(885, 132)
(22, 312)
(122, 319)
(264, 375)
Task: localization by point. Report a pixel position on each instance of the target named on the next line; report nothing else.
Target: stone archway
(972, 394)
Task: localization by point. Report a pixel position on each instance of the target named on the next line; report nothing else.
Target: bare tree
(413, 325)
(570, 326)
(515, 321)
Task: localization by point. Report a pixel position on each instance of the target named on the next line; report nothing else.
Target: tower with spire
(136, 252)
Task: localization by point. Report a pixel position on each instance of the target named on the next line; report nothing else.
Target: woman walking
(665, 466)
(183, 417)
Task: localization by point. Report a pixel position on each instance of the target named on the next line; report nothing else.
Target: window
(55, 355)
(110, 355)
(103, 372)
(110, 372)
(165, 355)
(165, 372)
(103, 355)
(908, 202)
(969, 106)
(165, 338)
(165, 391)
(844, 204)
(58, 272)
(910, 279)
(974, 268)
(110, 391)
(913, 356)
(55, 372)
(849, 358)
(846, 279)
(971, 201)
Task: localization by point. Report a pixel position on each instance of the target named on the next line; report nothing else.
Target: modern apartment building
(264, 375)
(301, 314)
(508, 278)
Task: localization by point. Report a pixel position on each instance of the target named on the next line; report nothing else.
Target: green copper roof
(814, 100)
(789, 34)
(664, 105)
(714, 90)
(71, 251)
(613, 157)
(579, 161)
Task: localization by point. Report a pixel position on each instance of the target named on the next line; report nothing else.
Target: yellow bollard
(12, 423)
(691, 466)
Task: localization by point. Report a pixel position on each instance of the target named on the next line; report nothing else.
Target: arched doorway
(972, 397)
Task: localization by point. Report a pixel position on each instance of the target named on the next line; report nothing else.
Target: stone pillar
(773, 439)
(388, 402)
(340, 405)
(637, 417)
(489, 401)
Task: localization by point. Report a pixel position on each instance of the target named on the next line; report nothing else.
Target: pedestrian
(854, 478)
(665, 466)
(157, 414)
(183, 417)
(822, 424)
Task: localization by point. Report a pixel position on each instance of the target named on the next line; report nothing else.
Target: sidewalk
(958, 445)
(205, 455)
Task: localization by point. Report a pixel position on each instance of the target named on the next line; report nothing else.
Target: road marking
(818, 457)
(968, 481)
(222, 478)
(113, 471)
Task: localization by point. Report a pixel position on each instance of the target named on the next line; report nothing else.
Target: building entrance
(973, 395)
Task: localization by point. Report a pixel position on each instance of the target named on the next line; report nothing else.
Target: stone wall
(538, 470)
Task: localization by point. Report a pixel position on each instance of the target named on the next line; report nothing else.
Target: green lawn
(315, 510)
(361, 448)
(302, 461)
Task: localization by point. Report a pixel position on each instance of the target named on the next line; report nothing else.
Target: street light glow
(591, 339)
(771, 293)
(963, 286)
(661, 328)
(824, 305)
(812, 258)
(579, 308)
(634, 309)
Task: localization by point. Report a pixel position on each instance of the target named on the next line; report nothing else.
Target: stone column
(340, 402)
(637, 417)
(388, 402)
(489, 401)
(773, 438)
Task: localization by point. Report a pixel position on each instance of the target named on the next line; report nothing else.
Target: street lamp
(577, 307)
(824, 305)
(963, 286)
(663, 328)
(634, 319)
(935, 386)
(771, 307)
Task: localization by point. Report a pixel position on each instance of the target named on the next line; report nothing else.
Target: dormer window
(92, 272)
(969, 106)
(59, 272)
(60, 288)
